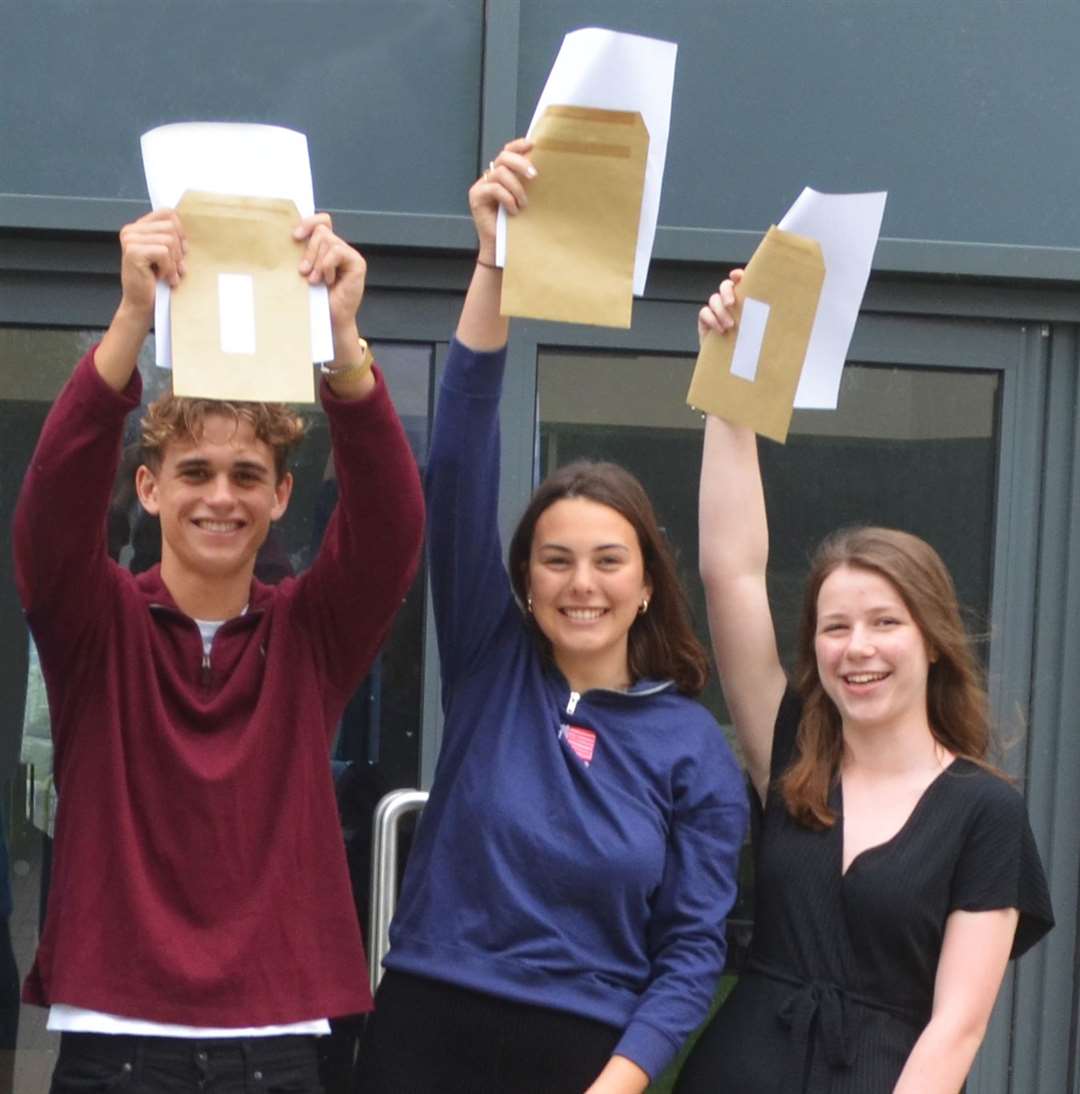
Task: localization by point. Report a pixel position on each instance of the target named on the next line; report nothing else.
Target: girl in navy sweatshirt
(561, 923)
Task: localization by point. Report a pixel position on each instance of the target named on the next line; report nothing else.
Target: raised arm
(62, 569)
(358, 575)
(471, 592)
(328, 260)
(734, 551)
(151, 249)
(481, 328)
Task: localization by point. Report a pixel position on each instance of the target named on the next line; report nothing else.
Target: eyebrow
(197, 463)
(599, 547)
(876, 609)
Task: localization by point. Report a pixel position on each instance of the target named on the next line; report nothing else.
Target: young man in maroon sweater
(201, 927)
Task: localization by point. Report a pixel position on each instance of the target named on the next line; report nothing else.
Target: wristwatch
(332, 371)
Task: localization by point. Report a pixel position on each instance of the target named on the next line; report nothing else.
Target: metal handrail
(390, 811)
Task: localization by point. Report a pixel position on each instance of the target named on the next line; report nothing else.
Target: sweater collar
(640, 689)
(156, 592)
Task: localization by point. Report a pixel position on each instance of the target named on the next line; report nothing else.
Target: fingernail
(305, 266)
(531, 172)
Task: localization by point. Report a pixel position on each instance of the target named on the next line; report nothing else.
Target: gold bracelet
(335, 372)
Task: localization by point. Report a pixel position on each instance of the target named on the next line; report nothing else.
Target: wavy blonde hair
(174, 417)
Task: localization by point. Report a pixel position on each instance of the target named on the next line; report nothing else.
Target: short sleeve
(784, 733)
(999, 865)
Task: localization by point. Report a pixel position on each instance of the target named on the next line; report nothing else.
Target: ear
(648, 586)
(146, 488)
(282, 493)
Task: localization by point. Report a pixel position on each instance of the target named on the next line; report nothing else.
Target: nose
(861, 642)
(220, 493)
(581, 577)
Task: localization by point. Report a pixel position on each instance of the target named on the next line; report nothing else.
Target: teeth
(218, 525)
(865, 677)
(583, 615)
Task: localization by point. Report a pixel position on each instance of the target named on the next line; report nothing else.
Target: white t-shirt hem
(68, 1019)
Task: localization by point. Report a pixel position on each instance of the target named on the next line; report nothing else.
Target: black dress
(841, 974)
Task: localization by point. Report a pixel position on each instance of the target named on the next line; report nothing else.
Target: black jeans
(427, 1037)
(9, 1007)
(92, 1062)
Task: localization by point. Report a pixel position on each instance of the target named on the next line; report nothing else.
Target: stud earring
(528, 603)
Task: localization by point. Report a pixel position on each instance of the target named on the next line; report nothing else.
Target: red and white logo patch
(582, 741)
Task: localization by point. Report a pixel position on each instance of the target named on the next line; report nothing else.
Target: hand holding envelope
(240, 317)
(581, 253)
(248, 161)
(750, 376)
(797, 306)
(221, 316)
(570, 255)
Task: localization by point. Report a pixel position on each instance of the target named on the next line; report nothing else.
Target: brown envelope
(241, 326)
(786, 273)
(570, 252)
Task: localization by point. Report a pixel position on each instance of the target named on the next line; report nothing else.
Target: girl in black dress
(896, 870)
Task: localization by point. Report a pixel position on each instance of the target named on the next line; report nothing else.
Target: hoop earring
(528, 604)
(644, 606)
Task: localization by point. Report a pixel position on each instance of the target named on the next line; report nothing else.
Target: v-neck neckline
(900, 832)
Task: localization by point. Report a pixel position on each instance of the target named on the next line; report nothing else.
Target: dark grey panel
(961, 111)
(389, 94)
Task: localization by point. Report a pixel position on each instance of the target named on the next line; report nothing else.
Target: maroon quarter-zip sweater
(199, 872)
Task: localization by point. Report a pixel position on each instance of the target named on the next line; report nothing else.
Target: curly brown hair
(956, 698)
(174, 417)
(662, 643)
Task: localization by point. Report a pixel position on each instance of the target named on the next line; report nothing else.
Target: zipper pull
(572, 702)
(206, 669)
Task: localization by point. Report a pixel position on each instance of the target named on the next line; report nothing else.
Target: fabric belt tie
(828, 1003)
(825, 1002)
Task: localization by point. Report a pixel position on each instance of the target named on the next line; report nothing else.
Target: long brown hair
(956, 699)
(661, 642)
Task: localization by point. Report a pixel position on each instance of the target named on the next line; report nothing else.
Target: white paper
(847, 227)
(608, 70)
(263, 161)
(751, 333)
(236, 313)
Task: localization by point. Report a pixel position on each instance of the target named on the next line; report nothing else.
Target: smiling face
(872, 658)
(216, 497)
(587, 582)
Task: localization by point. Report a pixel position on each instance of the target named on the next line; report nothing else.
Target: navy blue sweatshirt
(596, 888)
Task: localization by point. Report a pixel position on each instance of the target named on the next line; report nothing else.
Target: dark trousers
(9, 1007)
(427, 1037)
(179, 1065)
